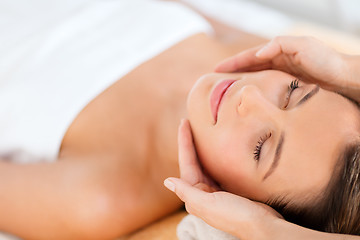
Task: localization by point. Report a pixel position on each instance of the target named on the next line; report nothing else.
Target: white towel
(194, 228)
(4, 236)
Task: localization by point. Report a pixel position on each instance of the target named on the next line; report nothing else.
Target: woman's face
(267, 139)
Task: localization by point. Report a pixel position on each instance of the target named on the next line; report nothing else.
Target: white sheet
(194, 228)
(56, 56)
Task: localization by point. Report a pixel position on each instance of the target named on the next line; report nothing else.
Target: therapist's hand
(190, 169)
(228, 212)
(304, 57)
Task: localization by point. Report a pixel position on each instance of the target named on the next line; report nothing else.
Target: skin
(232, 213)
(245, 219)
(116, 153)
(314, 134)
(305, 57)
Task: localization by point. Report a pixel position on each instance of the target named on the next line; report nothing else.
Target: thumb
(283, 44)
(269, 51)
(221, 210)
(289, 45)
(196, 200)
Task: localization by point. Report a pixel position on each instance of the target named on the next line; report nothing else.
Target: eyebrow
(277, 155)
(276, 159)
(308, 96)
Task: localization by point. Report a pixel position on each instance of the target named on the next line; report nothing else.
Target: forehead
(315, 137)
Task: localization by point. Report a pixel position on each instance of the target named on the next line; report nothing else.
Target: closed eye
(293, 85)
(259, 145)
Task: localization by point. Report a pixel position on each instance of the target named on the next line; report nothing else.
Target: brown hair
(338, 208)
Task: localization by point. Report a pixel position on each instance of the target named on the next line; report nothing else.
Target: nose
(253, 101)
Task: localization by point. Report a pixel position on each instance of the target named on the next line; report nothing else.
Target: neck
(165, 82)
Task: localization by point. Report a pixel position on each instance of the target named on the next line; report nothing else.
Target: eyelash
(257, 151)
(259, 145)
(293, 85)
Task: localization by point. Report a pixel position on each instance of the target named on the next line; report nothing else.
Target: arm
(78, 198)
(51, 200)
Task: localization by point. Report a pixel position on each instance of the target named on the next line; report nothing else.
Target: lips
(217, 95)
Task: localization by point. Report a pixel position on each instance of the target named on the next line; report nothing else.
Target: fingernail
(169, 185)
(263, 49)
(218, 67)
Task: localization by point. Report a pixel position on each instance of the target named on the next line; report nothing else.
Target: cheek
(227, 162)
(233, 169)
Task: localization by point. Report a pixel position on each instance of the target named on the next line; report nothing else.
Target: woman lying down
(95, 125)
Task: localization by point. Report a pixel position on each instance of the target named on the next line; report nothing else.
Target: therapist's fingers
(282, 44)
(190, 169)
(261, 58)
(241, 61)
(206, 203)
(222, 210)
(197, 200)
